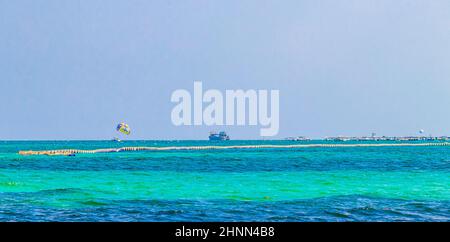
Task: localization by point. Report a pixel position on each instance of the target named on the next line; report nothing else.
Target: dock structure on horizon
(66, 152)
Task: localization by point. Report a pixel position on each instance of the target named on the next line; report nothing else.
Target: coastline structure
(69, 152)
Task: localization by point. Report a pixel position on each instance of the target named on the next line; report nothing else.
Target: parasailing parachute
(123, 128)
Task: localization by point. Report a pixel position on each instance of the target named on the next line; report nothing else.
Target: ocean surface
(299, 184)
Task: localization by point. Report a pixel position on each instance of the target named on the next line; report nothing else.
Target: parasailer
(123, 128)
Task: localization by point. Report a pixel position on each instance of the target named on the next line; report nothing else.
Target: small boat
(115, 139)
(218, 136)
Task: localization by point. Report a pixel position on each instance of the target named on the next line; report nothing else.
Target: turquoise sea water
(301, 184)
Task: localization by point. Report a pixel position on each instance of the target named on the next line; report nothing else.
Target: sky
(73, 69)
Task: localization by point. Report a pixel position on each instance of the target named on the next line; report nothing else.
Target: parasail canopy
(123, 128)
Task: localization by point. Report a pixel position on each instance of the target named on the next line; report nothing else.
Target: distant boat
(115, 139)
(219, 136)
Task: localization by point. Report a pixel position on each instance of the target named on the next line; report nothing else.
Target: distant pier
(66, 152)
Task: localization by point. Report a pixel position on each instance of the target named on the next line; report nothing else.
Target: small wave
(10, 184)
(93, 203)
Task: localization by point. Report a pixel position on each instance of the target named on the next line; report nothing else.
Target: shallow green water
(237, 186)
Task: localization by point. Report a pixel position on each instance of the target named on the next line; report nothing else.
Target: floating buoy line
(71, 152)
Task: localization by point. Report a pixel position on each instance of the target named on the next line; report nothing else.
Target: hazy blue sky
(73, 69)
